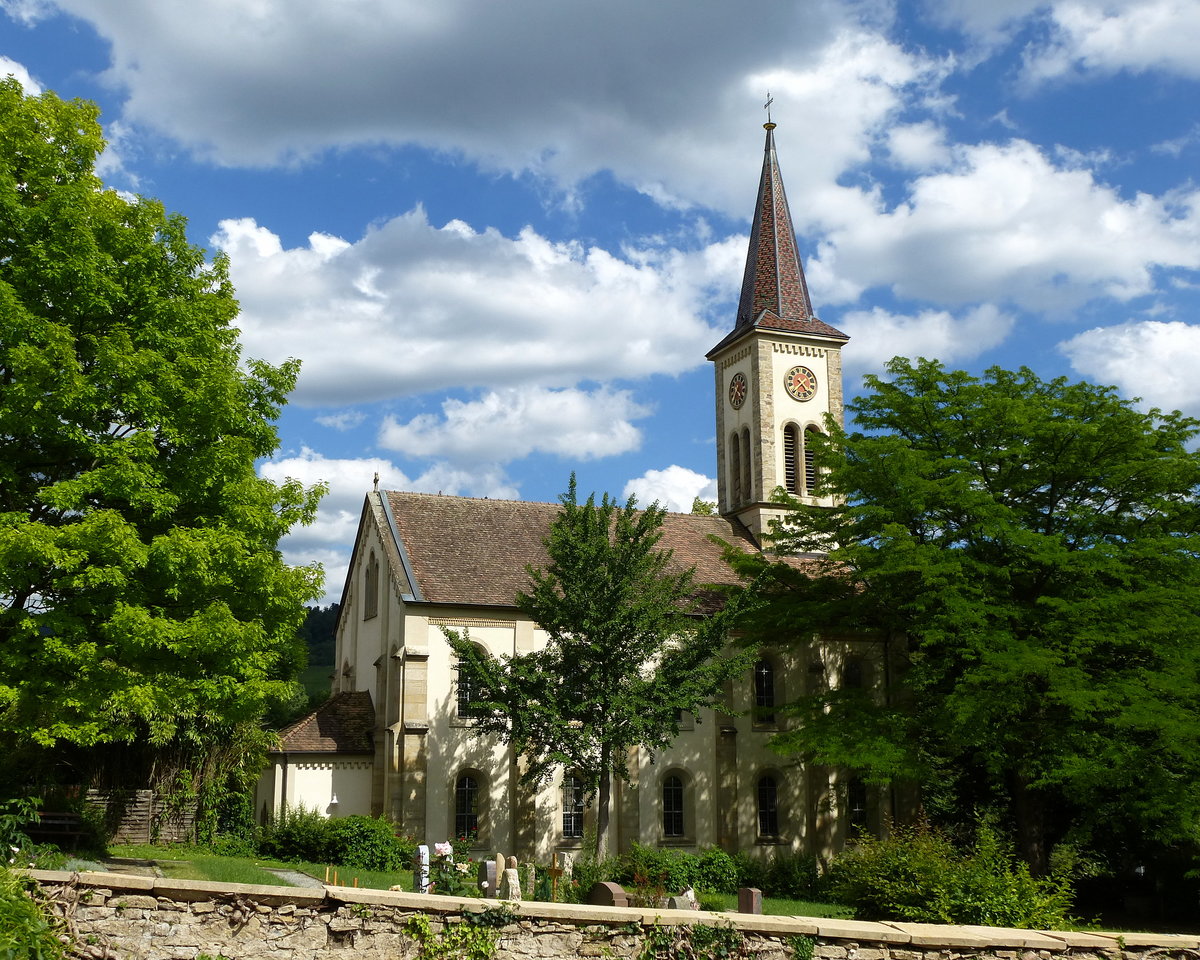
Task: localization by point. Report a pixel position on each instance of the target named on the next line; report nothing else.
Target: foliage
(704, 508)
(716, 870)
(917, 874)
(664, 870)
(625, 650)
(28, 931)
(455, 941)
(688, 941)
(803, 947)
(354, 841)
(792, 876)
(1024, 555)
(15, 816)
(586, 872)
(143, 598)
(453, 876)
(317, 633)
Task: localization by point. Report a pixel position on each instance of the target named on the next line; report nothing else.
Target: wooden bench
(60, 828)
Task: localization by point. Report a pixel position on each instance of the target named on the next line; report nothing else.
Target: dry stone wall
(143, 918)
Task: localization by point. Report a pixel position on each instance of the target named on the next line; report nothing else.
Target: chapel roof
(462, 550)
(342, 724)
(774, 291)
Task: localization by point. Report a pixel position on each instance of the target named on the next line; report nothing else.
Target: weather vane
(767, 105)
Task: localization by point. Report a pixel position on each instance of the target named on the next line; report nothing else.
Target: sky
(501, 237)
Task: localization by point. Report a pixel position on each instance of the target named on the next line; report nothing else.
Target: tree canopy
(1027, 551)
(626, 650)
(143, 597)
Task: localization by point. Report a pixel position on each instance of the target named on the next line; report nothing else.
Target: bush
(367, 843)
(791, 876)
(586, 872)
(30, 932)
(918, 875)
(649, 867)
(298, 834)
(751, 871)
(717, 871)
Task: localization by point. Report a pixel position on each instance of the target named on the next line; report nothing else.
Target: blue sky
(502, 236)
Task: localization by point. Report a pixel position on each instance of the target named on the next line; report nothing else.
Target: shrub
(30, 932)
(649, 867)
(751, 871)
(298, 834)
(367, 843)
(791, 876)
(918, 875)
(717, 871)
(586, 872)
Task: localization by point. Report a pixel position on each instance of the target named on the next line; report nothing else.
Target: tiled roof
(342, 724)
(468, 551)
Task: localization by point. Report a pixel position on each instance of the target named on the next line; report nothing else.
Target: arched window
(735, 469)
(791, 459)
(467, 689)
(853, 674)
(810, 464)
(747, 475)
(768, 807)
(572, 806)
(466, 806)
(857, 810)
(371, 588)
(672, 806)
(764, 692)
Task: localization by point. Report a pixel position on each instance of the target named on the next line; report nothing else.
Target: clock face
(801, 383)
(737, 390)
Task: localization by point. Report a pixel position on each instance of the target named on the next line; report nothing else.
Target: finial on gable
(376, 481)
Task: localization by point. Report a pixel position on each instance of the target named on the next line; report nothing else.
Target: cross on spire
(767, 105)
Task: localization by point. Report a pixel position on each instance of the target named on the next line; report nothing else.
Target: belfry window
(747, 482)
(791, 459)
(735, 469)
(810, 463)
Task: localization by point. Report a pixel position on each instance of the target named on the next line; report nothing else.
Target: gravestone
(487, 877)
(749, 900)
(421, 869)
(606, 894)
(510, 886)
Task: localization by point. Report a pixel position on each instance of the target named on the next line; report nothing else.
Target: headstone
(606, 894)
(510, 887)
(421, 869)
(487, 877)
(499, 865)
(679, 903)
(749, 900)
(567, 863)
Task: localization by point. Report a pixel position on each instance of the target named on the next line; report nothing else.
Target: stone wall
(142, 918)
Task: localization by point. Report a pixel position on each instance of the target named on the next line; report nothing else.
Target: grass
(778, 907)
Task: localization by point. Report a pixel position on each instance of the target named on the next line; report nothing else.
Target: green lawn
(728, 902)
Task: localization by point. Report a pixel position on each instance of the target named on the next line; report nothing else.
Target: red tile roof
(467, 551)
(342, 724)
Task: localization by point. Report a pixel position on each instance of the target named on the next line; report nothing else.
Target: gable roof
(460, 550)
(342, 724)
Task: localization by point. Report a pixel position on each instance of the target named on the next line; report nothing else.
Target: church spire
(774, 280)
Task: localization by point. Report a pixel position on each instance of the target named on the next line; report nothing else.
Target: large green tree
(143, 599)
(628, 648)
(1028, 551)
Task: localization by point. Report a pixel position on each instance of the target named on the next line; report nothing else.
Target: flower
(444, 849)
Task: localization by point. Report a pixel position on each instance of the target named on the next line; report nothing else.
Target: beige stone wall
(140, 918)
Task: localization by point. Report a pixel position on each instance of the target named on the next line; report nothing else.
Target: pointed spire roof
(774, 292)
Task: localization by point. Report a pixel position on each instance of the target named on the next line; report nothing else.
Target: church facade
(397, 737)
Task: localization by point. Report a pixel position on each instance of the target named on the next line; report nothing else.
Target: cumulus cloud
(10, 68)
(1152, 359)
(412, 308)
(507, 425)
(1005, 224)
(674, 488)
(878, 335)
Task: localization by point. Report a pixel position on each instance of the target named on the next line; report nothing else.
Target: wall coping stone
(948, 937)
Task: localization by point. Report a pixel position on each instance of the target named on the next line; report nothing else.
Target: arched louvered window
(810, 464)
(735, 469)
(791, 459)
(768, 807)
(747, 475)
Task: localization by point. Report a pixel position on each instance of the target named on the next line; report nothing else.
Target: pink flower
(443, 849)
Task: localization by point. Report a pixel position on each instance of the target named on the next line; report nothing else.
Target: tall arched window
(810, 464)
(768, 807)
(791, 458)
(467, 689)
(672, 806)
(572, 806)
(764, 692)
(466, 806)
(747, 474)
(857, 811)
(371, 588)
(735, 469)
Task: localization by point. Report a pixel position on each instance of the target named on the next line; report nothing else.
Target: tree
(143, 598)
(628, 648)
(1028, 550)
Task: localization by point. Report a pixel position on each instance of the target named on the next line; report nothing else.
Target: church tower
(778, 372)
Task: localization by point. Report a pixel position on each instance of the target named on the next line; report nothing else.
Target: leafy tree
(143, 599)
(705, 508)
(1027, 551)
(627, 649)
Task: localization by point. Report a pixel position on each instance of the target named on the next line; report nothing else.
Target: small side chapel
(396, 737)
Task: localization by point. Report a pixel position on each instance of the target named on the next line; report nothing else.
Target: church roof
(460, 550)
(774, 291)
(342, 724)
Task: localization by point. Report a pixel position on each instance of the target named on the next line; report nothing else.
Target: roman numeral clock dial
(800, 383)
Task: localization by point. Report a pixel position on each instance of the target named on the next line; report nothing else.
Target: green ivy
(691, 942)
(475, 938)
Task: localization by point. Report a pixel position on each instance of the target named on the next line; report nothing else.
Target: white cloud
(412, 308)
(1112, 35)
(918, 145)
(342, 420)
(879, 335)
(1153, 359)
(9, 67)
(1007, 225)
(509, 424)
(674, 488)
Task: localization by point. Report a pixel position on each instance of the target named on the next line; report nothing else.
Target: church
(397, 737)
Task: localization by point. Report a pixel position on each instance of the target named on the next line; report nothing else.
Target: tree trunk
(1031, 824)
(602, 804)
